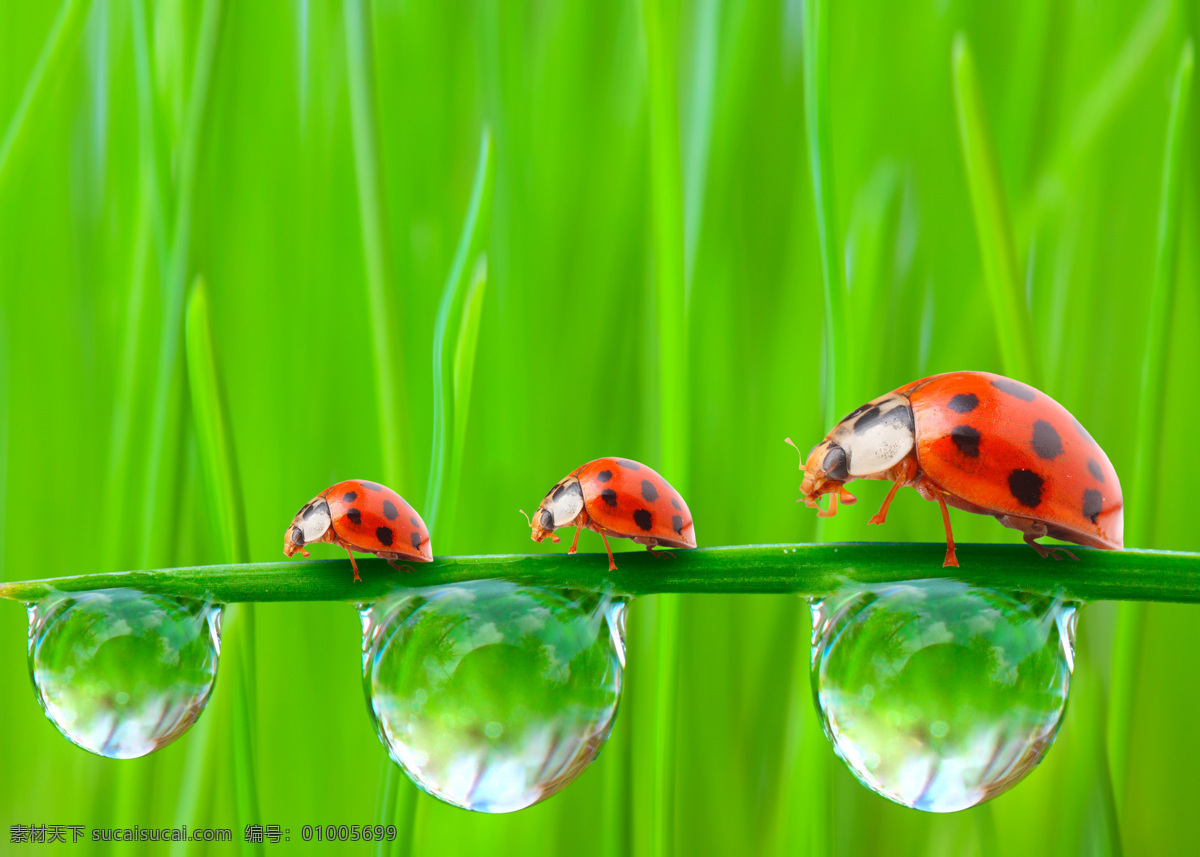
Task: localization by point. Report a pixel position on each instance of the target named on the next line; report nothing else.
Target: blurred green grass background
(175, 139)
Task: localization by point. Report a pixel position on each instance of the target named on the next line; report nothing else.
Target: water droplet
(122, 673)
(939, 695)
(493, 696)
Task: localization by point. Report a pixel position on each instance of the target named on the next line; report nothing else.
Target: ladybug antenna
(522, 511)
(791, 443)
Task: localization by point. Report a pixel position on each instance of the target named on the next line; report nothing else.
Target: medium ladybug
(361, 516)
(620, 498)
(982, 443)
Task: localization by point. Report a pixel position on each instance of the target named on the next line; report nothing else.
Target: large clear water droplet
(493, 696)
(122, 673)
(939, 695)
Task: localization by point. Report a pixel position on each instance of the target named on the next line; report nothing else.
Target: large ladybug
(361, 516)
(620, 498)
(982, 443)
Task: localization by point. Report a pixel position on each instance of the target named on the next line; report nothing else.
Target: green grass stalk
(1142, 492)
(810, 570)
(997, 249)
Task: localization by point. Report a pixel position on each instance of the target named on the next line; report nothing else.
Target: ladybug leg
(660, 554)
(612, 566)
(407, 569)
(832, 510)
(904, 478)
(881, 516)
(951, 559)
(1047, 550)
(354, 566)
(575, 541)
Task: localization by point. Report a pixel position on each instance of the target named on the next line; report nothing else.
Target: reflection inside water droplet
(937, 694)
(493, 696)
(120, 672)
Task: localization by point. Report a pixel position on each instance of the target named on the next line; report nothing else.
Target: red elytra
(982, 443)
(362, 516)
(616, 497)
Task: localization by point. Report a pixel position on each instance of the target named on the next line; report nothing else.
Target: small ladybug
(620, 498)
(361, 516)
(982, 443)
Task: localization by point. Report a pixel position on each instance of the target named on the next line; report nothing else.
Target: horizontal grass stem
(795, 569)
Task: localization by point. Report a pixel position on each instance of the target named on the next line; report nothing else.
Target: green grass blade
(381, 288)
(456, 335)
(1143, 491)
(166, 396)
(819, 137)
(212, 427)
(224, 490)
(997, 250)
(39, 86)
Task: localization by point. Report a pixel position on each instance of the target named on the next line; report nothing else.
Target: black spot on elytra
(963, 403)
(867, 419)
(355, 516)
(675, 503)
(390, 511)
(642, 518)
(1094, 469)
(1046, 442)
(384, 534)
(1026, 486)
(677, 524)
(604, 476)
(415, 538)
(967, 440)
(416, 523)
(1015, 388)
(371, 486)
(609, 496)
(632, 465)
(350, 496)
(1092, 503)
(649, 491)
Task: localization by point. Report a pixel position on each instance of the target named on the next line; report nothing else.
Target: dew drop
(939, 695)
(120, 672)
(493, 696)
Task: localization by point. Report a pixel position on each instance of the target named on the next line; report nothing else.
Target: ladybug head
(561, 507)
(825, 472)
(293, 540)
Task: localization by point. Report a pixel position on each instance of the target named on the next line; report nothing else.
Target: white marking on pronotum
(315, 521)
(568, 503)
